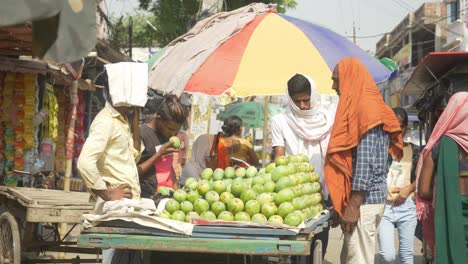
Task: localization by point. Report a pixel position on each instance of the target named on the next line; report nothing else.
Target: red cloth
(360, 108)
(164, 172)
(453, 123)
(223, 155)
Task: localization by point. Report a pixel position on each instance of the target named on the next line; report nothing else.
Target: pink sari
(164, 172)
(452, 123)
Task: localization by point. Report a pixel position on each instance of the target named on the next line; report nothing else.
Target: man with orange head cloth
(364, 135)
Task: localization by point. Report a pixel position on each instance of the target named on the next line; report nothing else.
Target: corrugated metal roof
(433, 66)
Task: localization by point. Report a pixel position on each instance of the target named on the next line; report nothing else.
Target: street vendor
(107, 162)
(304, 129)
(161, 122)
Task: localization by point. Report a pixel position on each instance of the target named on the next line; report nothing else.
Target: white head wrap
(313, 124)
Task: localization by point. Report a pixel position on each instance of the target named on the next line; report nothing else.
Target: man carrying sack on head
(364, 133)
(107, 162)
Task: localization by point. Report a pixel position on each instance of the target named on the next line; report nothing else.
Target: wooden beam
(198, 245)
(108, 54)
(8, 52)
(25, 38)
(15, 30)
(15, 44)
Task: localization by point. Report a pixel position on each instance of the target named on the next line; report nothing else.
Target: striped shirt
(370, 165)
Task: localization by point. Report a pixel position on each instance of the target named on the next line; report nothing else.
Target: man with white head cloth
(304, 129)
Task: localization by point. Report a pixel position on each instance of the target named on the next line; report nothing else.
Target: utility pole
(354, 33)
(130, 37)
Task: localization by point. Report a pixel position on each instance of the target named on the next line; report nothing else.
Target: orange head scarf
(360, 109)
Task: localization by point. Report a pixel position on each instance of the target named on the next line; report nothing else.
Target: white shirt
(399, 173)
(283, 136)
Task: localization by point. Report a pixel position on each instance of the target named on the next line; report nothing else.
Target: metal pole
(354, 33)
(130, 37)
(69, 149)
(265, 131)
(71, 136)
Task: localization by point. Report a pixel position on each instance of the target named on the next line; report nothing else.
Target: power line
(436, 21)
(370, 36)
(404, 5)
(412, 11)
(341, 16)
(359, 14)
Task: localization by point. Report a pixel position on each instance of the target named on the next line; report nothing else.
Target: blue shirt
(370, 165)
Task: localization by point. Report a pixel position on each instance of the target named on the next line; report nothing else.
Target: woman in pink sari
(442, 185)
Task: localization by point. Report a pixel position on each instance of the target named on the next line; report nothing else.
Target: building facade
(419, 33)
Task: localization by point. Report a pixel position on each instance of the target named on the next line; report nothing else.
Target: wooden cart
(30, 220)
(236, 242)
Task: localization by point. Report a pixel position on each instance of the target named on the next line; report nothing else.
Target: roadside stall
(242, 59)
(208, 243)
(36, 116)
(434, 80)
(35, 122)
(273, 212)
(46, 115)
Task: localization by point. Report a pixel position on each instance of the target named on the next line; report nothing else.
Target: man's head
(351, 76)
(336, 81)
(123, 110)
(299, 89)
(402, 117)
(171, 116)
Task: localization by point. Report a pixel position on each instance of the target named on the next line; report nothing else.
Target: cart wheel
(10, 251)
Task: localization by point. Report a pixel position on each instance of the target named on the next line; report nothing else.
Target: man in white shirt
(304, 129)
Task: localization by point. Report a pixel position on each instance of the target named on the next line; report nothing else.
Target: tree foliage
(175, 17)
(144, 35)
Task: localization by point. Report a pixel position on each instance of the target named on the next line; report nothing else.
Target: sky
(371, 17)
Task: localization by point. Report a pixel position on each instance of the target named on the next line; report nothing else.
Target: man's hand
(352, 211)
(117, 193)
(350, 218)
(403, 194)
(334, 219)
(166, 149)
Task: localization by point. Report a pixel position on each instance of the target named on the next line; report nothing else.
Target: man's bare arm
(279, 151)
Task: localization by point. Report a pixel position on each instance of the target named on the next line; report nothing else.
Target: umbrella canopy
(391, 65)
(259, 59)
(154, 58)
(63, 31)
(251, 113)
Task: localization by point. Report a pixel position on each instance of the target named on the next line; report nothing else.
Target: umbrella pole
(265, 131)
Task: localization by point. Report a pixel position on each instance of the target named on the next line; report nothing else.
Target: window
(453, 11)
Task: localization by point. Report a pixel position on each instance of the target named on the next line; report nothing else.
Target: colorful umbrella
(260, 58)
(251, 113)
(154, 58)
(391, 65)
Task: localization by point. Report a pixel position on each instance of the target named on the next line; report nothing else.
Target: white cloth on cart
(142, 212)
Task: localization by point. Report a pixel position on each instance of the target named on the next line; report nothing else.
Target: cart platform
(45, 206)
(204, 239)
